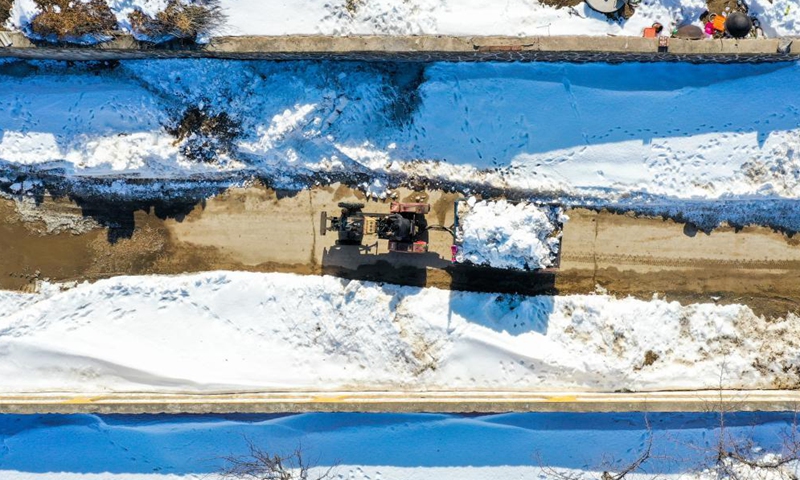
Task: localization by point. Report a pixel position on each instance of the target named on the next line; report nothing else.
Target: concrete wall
(422, 48)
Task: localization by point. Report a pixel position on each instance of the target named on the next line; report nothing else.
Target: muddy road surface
(258, 229)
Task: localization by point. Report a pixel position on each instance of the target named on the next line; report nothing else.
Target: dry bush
(73, 20)
(259, 464)
(352, 6)
(5, 11)
(203, 136)
(177, 21)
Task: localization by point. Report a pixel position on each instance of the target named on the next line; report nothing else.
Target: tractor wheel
(351, 205)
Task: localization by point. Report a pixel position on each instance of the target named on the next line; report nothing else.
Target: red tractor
(404, 226)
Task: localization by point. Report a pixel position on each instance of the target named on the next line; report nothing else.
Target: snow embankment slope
(604, 131)
(443, 17)
(504, 235)
(389, 446)
(478, 17)
(240, 331)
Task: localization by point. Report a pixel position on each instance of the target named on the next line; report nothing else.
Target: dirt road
(258, 229)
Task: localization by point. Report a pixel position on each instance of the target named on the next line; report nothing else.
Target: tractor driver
(399, 228)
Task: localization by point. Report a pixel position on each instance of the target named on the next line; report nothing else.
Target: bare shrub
(610, 469)
(204, 137)
(733, 457)
(73, 21)
(738, 457)
(259, 464)
(178, 21)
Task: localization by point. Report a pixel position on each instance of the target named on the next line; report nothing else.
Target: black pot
(738, 25)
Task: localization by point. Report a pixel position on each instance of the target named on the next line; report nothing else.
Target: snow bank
(504, 235)
(227, 331)
(384, 446)
(444, 17)
(478, 17)
(603, 131)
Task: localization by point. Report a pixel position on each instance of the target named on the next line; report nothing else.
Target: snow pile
(226, 331)
(504, 235)
(777, 17)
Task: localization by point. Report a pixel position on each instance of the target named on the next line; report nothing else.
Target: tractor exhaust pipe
(323, 223)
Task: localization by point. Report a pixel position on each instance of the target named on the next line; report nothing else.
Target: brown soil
(561, 3)
(722, 7)
(257, 229)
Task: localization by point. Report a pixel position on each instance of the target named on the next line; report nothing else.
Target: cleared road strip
(401, 402)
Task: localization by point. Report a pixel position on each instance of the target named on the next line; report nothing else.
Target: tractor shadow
(119, 216)
(513, 302)
(366, 263)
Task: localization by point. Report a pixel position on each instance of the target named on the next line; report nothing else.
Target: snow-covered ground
(602, 131)
(228, 331)
(478, 17)
(385, 446)
(506, 235)
(447, 17)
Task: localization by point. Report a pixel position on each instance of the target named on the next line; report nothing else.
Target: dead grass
(178, 21)
(352, 6)
(66, 20)
(204, 137)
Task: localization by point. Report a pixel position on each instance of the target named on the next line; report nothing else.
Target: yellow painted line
(563, 398)
(79, 400)
(336, 399)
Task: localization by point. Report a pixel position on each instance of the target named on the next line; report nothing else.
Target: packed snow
(235, 331)
(595, 130)
(505, 235)
(446, 17)
(390, 446)
(479, 17)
